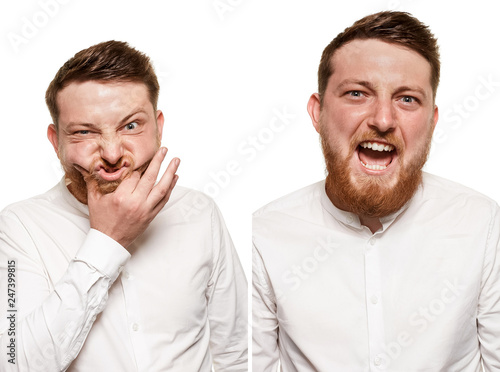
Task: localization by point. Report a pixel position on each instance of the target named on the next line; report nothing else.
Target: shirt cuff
(103, 253)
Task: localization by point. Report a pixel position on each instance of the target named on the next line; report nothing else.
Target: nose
(383, 119)
(111, 149)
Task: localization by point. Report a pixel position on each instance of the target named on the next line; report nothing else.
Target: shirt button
(374, 300)
(377, 361)
(135, 327)
(373, 241)
(350, 219)
(125, 274)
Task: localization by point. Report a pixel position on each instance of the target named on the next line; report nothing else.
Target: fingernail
(177, 161)
(163, 150)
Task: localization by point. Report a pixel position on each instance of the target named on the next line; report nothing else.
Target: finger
(149, 177)
(172, 185)
(129, 183)
(93, 194)
(162, 188)
(91, 183)
(166, 198)
(85, 173)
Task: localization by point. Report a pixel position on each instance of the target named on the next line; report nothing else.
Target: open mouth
(111, 174)
(376, 156)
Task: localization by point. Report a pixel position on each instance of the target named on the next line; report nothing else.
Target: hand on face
(107, 134)
(125, 213)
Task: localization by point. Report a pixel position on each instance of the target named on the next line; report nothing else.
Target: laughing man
(380, 266)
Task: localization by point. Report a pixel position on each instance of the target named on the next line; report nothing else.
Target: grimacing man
(380, 266)
(111, 272)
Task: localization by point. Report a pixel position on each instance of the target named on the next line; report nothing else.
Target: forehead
(101, 101)
(380, 62)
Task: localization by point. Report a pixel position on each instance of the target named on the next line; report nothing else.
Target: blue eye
(408, 99)
(131, 126)
(83, 132)
(355, 93)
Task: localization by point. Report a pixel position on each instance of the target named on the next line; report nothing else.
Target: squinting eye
(83, 132)
(131, 126)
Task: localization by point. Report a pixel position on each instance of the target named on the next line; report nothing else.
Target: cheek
(81, 153)
(345, 121)
(142, 149)
(416, 136)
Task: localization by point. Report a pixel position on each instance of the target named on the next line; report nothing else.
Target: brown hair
(389, 26)
(110, 61)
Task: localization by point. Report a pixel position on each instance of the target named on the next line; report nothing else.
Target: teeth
(374, 166)
(377, 146)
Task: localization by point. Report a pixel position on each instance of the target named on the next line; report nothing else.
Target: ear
(314, 110)
(52, 136)
(435, 117)
(159, 123)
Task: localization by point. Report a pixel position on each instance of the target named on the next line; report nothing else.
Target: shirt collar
(351, 219)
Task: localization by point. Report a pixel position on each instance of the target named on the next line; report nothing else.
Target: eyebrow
(406, 88)
(135, 112)
(121, 122)
(72, 124)
(363, 83)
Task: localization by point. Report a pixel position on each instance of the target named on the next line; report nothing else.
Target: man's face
(376, 124)
(106, 131)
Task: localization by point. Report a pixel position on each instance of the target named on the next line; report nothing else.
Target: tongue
(371, 157)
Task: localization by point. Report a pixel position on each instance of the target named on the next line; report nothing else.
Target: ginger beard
(371, 195)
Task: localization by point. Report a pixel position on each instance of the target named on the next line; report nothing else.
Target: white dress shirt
(421, 294)
(178, 305)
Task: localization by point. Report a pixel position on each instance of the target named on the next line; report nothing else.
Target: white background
(226, 67)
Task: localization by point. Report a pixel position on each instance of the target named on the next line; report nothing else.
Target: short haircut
(392, 27)
(110, 61)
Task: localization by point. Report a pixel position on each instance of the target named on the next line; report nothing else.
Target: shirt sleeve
(227, 303)
(264, 319)
(48, 324)
(488, 318)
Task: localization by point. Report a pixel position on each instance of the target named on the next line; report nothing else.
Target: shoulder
(189, 204)
(441, 189)
(187, 195)
(458, 202)
(293, 203)
(49, 199)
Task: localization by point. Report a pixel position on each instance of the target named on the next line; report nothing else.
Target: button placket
(374, 309)
(134, 320)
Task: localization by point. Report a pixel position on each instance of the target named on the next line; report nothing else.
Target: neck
(373, 223)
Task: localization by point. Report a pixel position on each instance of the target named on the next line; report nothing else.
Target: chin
(367, 192)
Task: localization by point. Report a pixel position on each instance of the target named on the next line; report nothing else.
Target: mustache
(373, 135)
(91, 174)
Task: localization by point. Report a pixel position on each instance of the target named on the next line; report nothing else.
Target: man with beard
(379, 267)
(111, 270)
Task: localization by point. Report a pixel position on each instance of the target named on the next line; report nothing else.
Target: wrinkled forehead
(102, 101)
